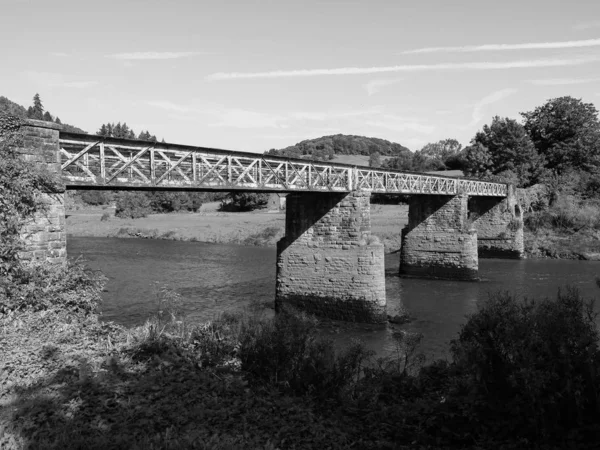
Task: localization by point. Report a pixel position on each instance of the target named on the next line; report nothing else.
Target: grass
(70, 381)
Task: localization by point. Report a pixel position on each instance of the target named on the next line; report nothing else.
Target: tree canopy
(501, 147)
(566, 131)
(326, 147)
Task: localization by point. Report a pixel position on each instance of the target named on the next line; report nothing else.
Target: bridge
(328, 263)
(100, 162)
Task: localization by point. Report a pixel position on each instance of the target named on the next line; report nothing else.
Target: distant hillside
(328, 147)
(7, 106)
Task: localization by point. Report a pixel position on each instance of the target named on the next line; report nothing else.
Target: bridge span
(328, 263)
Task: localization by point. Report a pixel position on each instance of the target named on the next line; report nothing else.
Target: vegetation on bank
(521, 374)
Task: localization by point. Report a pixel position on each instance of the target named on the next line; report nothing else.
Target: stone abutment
(328, 263)
(45, 235)
(499, 225)
(438, 241)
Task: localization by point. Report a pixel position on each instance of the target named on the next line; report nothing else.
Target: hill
(7, 106)
(329, 147)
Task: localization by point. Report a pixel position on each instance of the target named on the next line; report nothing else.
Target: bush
(530, 369)
(132, 205)
(44, 286)
(21, 185)
(166, 202)
(105, 217)
(95, 198)
(567, 213)
(244, 201)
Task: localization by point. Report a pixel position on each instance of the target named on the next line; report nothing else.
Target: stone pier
(499, 225)
(328, 263)
(438, 241)
(45, 236)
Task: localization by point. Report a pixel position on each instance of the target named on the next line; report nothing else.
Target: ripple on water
(213, 278)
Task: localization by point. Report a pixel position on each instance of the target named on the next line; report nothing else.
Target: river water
(212, 278)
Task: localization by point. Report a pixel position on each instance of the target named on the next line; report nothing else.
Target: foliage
(442, 150)
(45, 286)
(524, 374)
(95, 197)
(20, 186)
(326, 147)
(566, 132)
(375, 160)
(244, 201)
(132, 205)
(416, 162)
(122, 131)
(510, 149)
(478, 161)
(567, 214)
(531, 369)
(165, 202)
(11, 108)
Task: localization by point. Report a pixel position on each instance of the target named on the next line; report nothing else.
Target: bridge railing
(96, 161)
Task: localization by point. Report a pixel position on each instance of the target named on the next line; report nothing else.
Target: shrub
(95, 198)
(21, 185)
(244, 201)
(286, 352)
(132, 205)
(529, 368)
(44, 286)
(105, 217)
(176, 201)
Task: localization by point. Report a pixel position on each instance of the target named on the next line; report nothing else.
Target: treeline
(326, 147)
(35, 111)
(558, 139)
(122, 131)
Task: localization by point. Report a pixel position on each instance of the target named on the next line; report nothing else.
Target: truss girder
(92, 162)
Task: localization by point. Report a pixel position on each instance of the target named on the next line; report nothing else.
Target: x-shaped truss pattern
(95, 161)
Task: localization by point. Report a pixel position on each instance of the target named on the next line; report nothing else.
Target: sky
(253, 75)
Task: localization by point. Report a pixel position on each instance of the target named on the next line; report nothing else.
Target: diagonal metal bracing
(88, 161)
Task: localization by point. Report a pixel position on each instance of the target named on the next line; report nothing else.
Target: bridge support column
(45, 235)
(438, 241)
(499, 225)
(328, 263)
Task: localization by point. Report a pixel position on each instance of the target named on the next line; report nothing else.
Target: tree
(244, 201)
(510, 149)
(37, 110)
(566, 132)
(400, 162)
(48, 117)
(442, 150)
(375, 160)
(478, 160)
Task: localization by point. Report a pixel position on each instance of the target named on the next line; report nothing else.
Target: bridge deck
(94, 161)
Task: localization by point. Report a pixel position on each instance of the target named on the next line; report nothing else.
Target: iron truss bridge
(98, 162)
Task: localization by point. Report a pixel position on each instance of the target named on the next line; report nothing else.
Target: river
(212, 278)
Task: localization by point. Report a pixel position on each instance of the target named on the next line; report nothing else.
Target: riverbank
(264, 228)
(70, 381)
(259, 228)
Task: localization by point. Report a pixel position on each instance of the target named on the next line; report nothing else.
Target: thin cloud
(494, 97)
(587, 25)
(59, 54)
(502, 47)
(375, 86)
(563, 81)
(54, 80)
(522, 64)
(400, 124)
(140, 56)
(169, 106)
